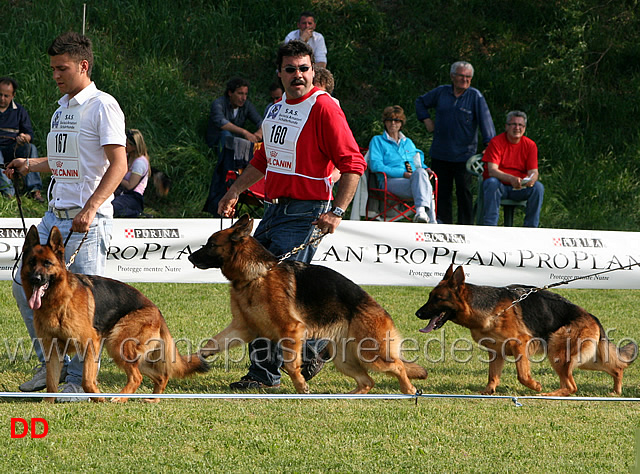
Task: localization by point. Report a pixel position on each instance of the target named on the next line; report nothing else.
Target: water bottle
(417, 161)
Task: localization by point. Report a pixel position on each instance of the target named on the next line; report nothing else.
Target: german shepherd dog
(542, 321)
(290, 301)
(74, 312)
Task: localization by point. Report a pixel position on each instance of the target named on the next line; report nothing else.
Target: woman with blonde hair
(397, 156)
(129, 200)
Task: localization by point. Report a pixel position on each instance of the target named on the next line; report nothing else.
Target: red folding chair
(390, 207)
(251, 200)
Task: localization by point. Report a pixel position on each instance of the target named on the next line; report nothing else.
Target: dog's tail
(181, 366)
(620, 358)
(161, 182)
(415, 371)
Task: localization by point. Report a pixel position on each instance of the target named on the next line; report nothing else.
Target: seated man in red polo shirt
(512, 172)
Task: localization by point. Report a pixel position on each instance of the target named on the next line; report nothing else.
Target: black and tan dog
(290, 301)
(544, 321)
(74, 312)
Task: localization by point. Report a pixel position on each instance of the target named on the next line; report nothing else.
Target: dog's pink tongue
(36, 297)
(430, 326)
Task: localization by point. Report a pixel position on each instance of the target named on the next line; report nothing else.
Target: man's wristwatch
(337, 211)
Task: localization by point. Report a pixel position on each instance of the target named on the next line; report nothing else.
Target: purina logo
(440, 237)
(151, 234)
(11, 233)
(578, 242)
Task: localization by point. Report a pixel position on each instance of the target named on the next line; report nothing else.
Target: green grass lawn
(432, 435)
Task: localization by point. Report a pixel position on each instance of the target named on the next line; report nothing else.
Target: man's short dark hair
(9, 81)
(307, 14)
(295, 48)
(276, 85)
(234, 83)
(77, 46)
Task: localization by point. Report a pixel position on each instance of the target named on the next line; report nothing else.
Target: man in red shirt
(512, 172)
(306, 136)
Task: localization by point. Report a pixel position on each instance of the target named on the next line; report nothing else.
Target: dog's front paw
(489, 390)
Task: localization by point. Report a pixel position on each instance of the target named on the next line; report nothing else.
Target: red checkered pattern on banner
(557, 242)
(419, 237)
(128, 234)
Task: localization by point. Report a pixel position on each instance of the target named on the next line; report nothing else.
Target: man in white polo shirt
(86, 155)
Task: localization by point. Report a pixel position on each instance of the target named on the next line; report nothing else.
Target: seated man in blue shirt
(229, 114)
(16, 134)
(461, 111)
(227, 119)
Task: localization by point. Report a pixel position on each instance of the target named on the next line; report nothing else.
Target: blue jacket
(388, 156)
(14, 121)
(458, 119)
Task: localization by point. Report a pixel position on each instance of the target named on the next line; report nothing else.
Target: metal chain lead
(563, 282)
(316, 237)
(73, 257)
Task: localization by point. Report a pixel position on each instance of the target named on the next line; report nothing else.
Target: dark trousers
(448, 173)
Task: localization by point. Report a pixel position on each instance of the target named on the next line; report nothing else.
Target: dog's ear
(242, 228)
(448, 273)
(458, 277)
(55, 242)
(32, 239)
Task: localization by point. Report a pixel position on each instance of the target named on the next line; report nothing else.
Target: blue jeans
(32, 181)
(284, 227)
(91, 260)
(417, 188)
(493, 192)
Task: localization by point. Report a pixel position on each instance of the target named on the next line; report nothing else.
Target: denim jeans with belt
(284, 226)
(90, 260)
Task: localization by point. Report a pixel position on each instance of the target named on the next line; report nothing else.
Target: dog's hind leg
(397, 369)
(127, 355)
(158, 372)
(349, 365)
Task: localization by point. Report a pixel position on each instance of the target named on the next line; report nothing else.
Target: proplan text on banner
(379, 253)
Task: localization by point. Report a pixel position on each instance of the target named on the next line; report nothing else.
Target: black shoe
(248, 383)
(311, 367)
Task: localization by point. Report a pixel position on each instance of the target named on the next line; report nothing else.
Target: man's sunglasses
(292, 69)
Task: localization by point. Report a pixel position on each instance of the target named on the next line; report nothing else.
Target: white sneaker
(421, 215)
(71, 388)
(39, 379)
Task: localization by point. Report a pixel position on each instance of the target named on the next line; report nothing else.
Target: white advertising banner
(380, 253)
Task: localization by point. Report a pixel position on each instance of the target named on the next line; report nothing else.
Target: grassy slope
(570, 65)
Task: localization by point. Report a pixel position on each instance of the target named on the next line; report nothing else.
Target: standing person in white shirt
(86, 155)
(307, 32)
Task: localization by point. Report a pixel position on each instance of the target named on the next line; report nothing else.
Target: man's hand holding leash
(248, 178)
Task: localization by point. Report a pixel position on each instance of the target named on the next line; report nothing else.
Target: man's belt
(65, 213)
(281, 200)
